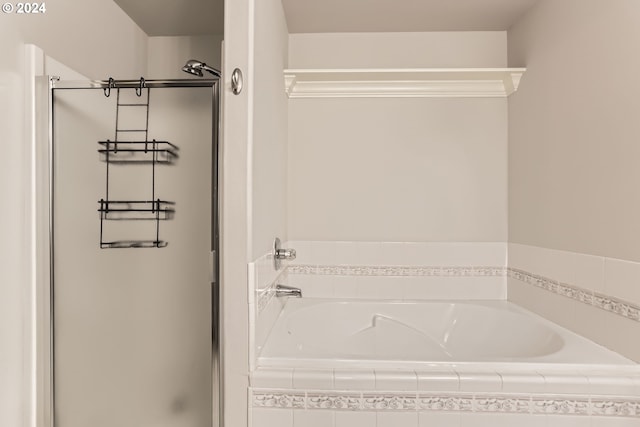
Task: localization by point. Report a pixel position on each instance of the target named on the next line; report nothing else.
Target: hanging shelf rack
(402, 82)
(134, 152)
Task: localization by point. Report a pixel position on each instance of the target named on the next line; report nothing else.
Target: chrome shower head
(196, 67)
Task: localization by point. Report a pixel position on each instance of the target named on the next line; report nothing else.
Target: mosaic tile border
(604, 302)
(454, 402)
(389, 270)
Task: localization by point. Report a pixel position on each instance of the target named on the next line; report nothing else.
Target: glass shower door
(133, 326)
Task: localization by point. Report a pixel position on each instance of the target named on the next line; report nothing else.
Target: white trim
(402, 83)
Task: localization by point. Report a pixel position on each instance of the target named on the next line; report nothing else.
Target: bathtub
(330, 333)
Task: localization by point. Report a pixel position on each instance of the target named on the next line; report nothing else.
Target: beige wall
(574, 128)
(269, 148)
(97, 39)
(167, 55)
(410, 169)
(397, 50)
(574, 202)
(398, 169)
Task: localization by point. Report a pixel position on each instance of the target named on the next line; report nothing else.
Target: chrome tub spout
(288, 291)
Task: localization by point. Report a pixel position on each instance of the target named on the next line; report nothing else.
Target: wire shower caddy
(133, 151)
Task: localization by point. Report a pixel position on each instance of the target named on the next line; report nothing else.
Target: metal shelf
(136, 210)
(146, 152)
(137, 244)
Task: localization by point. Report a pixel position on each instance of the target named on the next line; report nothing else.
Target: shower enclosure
(134, 168)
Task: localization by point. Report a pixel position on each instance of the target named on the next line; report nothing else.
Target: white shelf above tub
(402, 83)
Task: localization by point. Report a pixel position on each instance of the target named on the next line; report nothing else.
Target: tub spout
(288, 291)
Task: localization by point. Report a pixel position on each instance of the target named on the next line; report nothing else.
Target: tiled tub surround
(528, 395)
(596, 297)
(443, 397)
(392, 270)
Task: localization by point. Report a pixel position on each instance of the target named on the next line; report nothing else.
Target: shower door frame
(46, 382)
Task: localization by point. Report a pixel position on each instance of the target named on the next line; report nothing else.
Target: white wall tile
(355, 419)
(614, 422)
(345, 379)
(636, 380)
(551, 306)
(521, 420)
(567, 421)
(607, 384)
(517, 257)
(370, 253)
(480, 381)
(397, 419)
(456, 253)
(345, 286)
(530, 382)
(262, 417)
(558, 309)
(589, 272)
(381, 287)
(527, 258)
(559, 265)
(265, 321)
(346, 253)
(400, 253)
(438, 419)
(396, 380)
(502, 420)
(304, 251)
(312, 286)
(272, 378)
(565, 382)
(309, 418)
(313, 379)
(623, 336)
(438, 380)
(455, 288)
(326, 253)
(622, 279)
(590, 322)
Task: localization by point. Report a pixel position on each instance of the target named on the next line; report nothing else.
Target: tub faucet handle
(280, 253)
(289, 254)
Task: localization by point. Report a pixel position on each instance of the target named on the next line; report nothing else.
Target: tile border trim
(394, 270)
(449, 402)
(605, 302)
(612, 305)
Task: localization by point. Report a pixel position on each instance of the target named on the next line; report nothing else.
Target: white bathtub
(363, 333)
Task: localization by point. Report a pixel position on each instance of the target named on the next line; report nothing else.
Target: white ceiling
(176, 17)
(200, 17)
